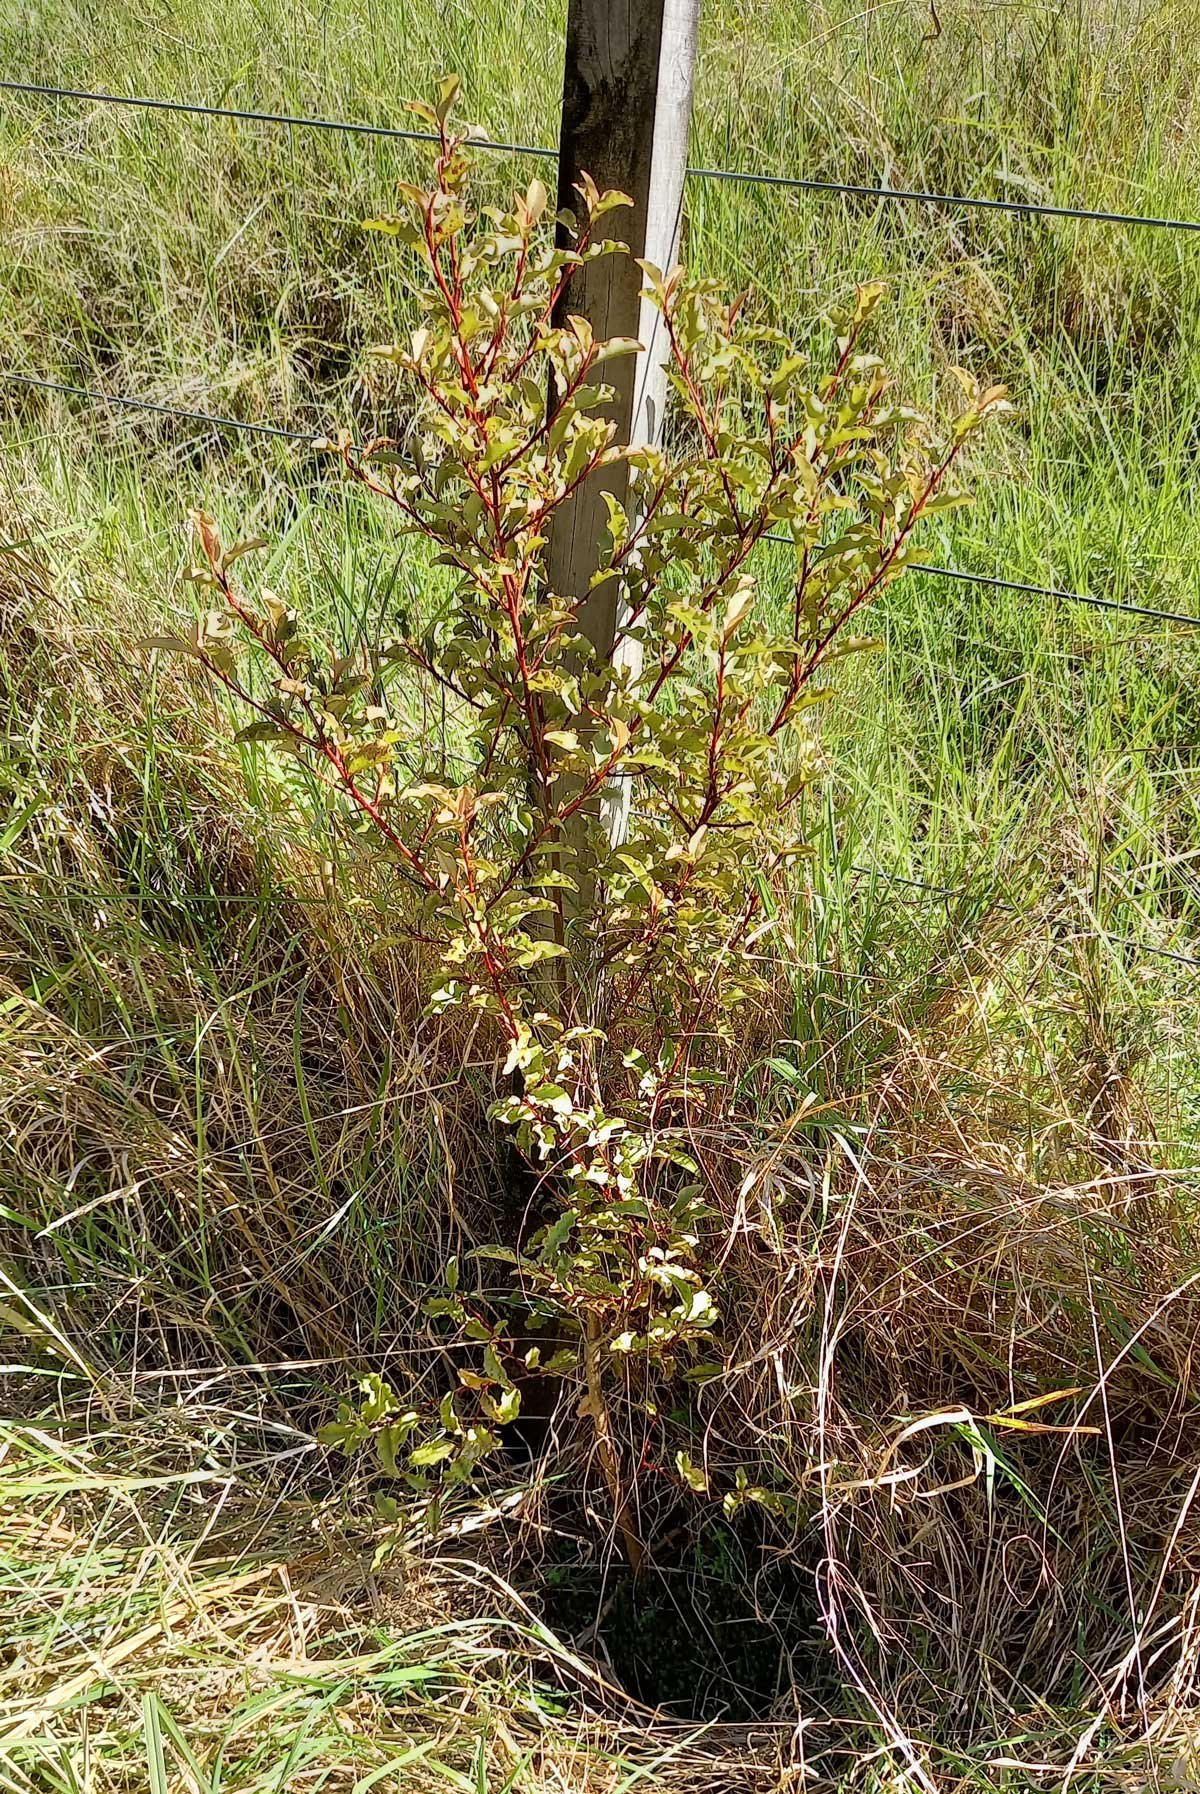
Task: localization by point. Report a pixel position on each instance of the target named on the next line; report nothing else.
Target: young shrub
(608, 950)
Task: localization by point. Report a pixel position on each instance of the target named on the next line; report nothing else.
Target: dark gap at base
(717, 1627)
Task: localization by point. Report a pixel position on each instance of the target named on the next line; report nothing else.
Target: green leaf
(156, 1761)
(536, 200)
(556, 1237)
(785, 1070)
(609, 202)
(407, 231)
(691, 1473)
(538, 951)
(448, 91)
(503, 1408)
(436, 1451)
(342, 1435)
(264, 731)
(249, 546)
(618, 345)
(946, 501)
(171, 644)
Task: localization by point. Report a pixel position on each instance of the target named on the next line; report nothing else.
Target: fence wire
(745, 176)
(291, 121)
(123, 403)
(310, 437)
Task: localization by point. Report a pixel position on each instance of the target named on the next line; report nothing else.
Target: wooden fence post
(627, 101)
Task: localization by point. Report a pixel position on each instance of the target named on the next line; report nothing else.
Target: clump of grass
(182, 1609)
